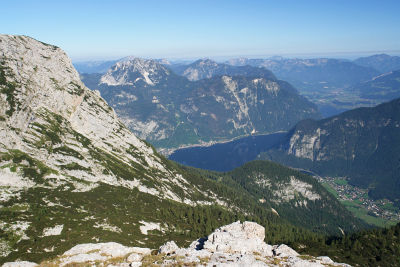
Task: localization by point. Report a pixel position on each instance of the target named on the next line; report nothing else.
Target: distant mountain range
(382, 62)
(102, 66)
(94, 66)
(169, 110)
(329, 82)
(206, 68)
(362, 144)
(313, 74)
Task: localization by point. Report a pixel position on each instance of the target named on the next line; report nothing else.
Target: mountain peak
(207, 68)
(205, 62)
(58, 82)
(131, 70)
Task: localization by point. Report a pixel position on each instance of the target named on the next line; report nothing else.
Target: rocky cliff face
(237, 244)
(170, 111)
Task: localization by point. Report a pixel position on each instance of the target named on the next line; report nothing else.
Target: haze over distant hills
(382, 62)
(316, 74)
(207, 68)
(328, 82)
(93, 66)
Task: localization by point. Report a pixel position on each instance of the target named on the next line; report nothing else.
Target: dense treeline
(325, 215)
(374, 247)
(125, 211)
(377, 247)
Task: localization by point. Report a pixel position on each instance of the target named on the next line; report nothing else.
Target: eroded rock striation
(236, 244)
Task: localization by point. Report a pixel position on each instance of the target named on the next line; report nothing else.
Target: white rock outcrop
(284, 251)
(239, 238)
(168, 248)
(20, 264)
(56, 230)
(236, 244)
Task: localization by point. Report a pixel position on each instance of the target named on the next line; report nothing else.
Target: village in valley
(378, 212)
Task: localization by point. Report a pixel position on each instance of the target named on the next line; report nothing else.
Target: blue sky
(89, 30)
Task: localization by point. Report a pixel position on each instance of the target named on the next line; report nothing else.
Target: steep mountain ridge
(173, 111)
(323, 81)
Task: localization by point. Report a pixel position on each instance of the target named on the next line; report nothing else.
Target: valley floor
(377, 212)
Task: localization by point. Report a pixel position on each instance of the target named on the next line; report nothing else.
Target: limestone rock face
(102, 252)
(284, 251)
(237, 237)
(236, 244)
(49, 114)
(168, 248)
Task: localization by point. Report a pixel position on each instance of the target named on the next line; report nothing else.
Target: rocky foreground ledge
(236, 244)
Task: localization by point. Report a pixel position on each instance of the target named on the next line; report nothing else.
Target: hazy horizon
(101, 30)
(344, 56)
